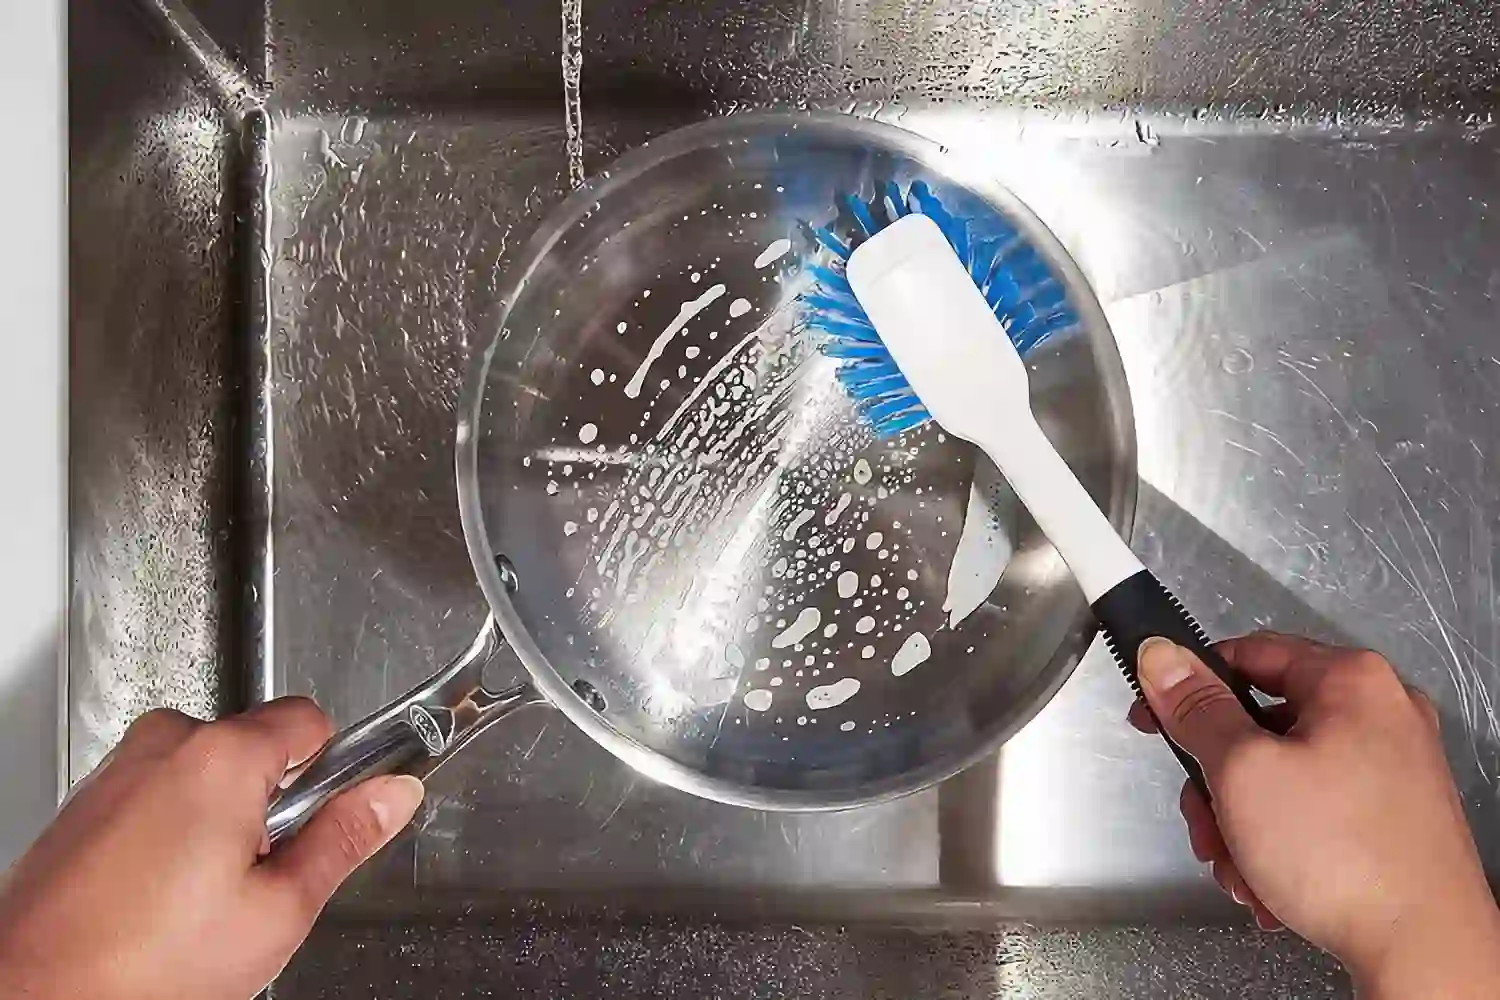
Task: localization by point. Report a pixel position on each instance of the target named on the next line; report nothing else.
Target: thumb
(342, 836)
(1191, 704)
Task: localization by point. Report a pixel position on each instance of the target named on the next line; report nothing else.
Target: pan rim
(558, 692)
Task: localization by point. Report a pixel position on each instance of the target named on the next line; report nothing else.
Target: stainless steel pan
(696, 549)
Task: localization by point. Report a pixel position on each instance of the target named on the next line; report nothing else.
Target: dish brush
(917, 317)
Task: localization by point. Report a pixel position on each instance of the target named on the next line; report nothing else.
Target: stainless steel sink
(288, 226)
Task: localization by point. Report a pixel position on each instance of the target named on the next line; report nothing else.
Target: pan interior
(722, 562)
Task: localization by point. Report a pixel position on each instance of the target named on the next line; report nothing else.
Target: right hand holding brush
(1348, 830)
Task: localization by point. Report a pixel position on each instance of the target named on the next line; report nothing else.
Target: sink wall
(151, 380)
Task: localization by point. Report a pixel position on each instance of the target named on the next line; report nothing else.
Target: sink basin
(289, 223)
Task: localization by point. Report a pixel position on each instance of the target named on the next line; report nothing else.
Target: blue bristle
(886, 407)
(875, 369)
(1027, 267)
(836, 304)
(954, 228)
(982, 254)
(1029, 335)
(825, 236)
(869, 388)
(1030, 302)
(856, 330)
(861, 214)
(1005, 294)
(1046, 296)
(895, 201)
(831, 281)
(845, 349)
(903, 422)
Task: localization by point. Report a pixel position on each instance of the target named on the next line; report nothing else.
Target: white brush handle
(1063, 509)
(961, 365)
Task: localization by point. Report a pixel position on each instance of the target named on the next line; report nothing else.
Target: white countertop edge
(33, 411)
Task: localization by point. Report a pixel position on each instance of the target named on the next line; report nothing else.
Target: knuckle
(1426, 710)
(1200, 703)
(292, 705)
(214, 751)
(1363, 674)
(160, 723)
(1369, 662)
(356, 834)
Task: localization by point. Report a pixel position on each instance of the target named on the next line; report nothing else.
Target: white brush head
(938, 328)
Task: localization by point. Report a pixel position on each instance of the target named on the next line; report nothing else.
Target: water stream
(572, 73)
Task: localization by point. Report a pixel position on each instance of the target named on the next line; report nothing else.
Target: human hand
(1348, 829)
(155, 881)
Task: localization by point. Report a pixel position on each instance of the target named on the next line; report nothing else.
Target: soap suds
(758, 699)
(588, 432)
(984, 547)
(838, 508)
(848, 583)
(738, 307)
(809, 619)
(685, 315)
(832, 695)
(802, 518)
(774, 252)
(912, 654)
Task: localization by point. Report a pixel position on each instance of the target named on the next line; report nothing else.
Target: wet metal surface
(550, 959)
(150, 371)
(1329, 57)
(1306, 308)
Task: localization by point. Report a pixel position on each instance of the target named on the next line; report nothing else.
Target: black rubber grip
(1138, 608)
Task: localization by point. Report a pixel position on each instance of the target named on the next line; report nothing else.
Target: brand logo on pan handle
(427, 728)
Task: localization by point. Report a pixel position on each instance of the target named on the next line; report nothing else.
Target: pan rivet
(507, 574)
(590, 695)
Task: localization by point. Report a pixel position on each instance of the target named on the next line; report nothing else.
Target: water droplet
(1238, 362)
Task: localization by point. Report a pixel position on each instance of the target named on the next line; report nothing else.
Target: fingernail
(394, 801)
(1163, 664)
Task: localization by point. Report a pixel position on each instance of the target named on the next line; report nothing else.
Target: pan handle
(412, 735)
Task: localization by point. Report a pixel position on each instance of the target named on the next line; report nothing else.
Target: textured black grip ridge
(1138, 608)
